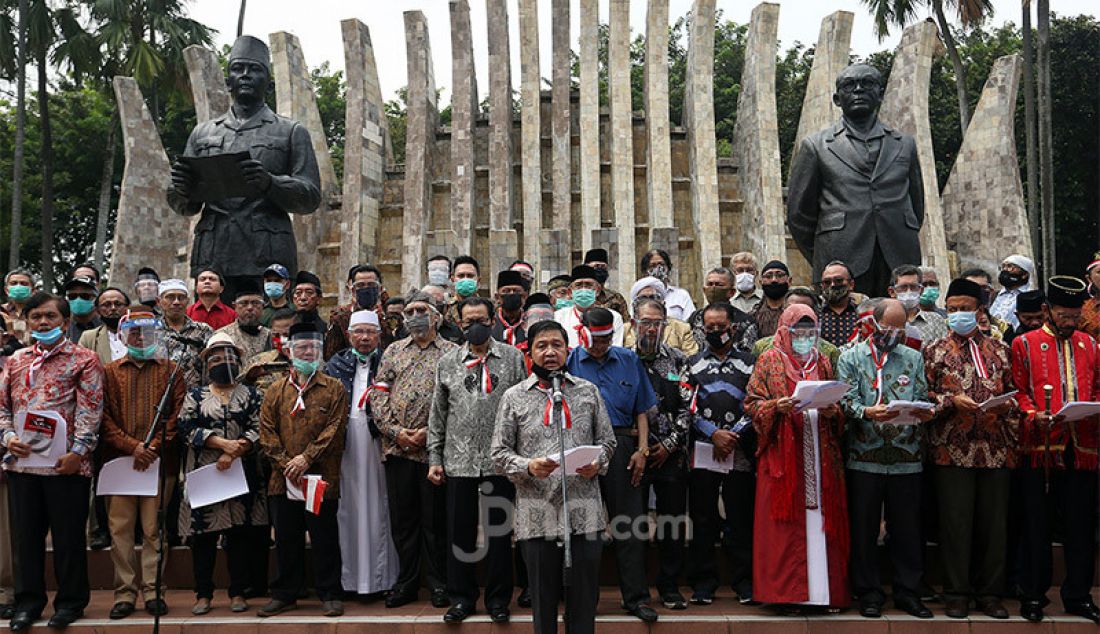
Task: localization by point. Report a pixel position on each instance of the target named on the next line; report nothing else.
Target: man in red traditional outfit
(1052, 366)
(800, 545)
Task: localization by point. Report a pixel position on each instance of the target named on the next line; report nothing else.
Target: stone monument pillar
(530, 131)
(419, 148)
(557, 259)
(830, 57)
(503, 244)
(464, 112)
(208, 89)
(622, 250)
(589, 122)
(699, 125)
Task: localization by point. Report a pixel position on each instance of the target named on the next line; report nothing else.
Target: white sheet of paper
(1078, 410)
(577, 457)
(118, 477)
(206, 485)
(994, 401)
(819, 394)
(907, 412)
(293, 492)
(703, 458)
(57, 447)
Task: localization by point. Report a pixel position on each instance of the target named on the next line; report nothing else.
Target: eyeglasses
(484, 322)
(905, 288)
(651, 323)
(849, 84)
(305, 292)
(89, 295)
(364, 332)
(775, 276)
(804, 332)
(418, 310)
(361, 285)
(835, 281)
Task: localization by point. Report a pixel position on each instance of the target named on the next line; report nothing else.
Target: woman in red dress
(800, 544)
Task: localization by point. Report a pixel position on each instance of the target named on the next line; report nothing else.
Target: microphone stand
(556, 414)
(157, 417)
(1048, 391)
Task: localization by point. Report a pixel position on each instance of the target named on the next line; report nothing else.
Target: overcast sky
(317, 25)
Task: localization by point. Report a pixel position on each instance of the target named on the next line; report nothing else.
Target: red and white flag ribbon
(546, 414)
(314, 491)
(486, 379)
(976, 356)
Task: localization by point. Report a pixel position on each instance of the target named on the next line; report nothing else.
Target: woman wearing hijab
(801, 517)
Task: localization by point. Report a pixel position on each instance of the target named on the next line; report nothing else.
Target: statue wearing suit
(855, 193)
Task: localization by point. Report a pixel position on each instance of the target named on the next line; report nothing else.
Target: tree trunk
(956, 63)
(1031, 160)
(1046, 164)
(46, 156)
(106, 182)
(20, 137)
(240, 19)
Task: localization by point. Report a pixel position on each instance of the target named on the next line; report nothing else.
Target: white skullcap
(647, 282)
(364, 317)
(171, 285)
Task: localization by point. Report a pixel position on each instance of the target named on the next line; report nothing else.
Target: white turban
(171, 285)
(1026, 264)
(364, 317)
(647, 282)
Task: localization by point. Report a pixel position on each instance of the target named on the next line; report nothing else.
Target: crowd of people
(419, 438)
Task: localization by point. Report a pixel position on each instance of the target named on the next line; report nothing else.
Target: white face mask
(438, 277)
(745, 282)
(909, 299)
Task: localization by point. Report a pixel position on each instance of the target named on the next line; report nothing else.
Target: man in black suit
(855, 191)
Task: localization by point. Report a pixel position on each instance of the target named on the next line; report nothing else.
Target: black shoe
(1031, 611)
(524, 598)
(957, 607)
(398, 599)
(21, 621)
(500, 614)
(332, 608)
(7, 611)
(276, 606)
(912, 606)
(440, 599)
(1084, 609)
(993, 608)
(458, 613)
(702, 597)
(870, 608)
(643, 612)
(121, 610)
(673, 601)
(156, 607)
(99, 541)
(254, 593)
(64, 618)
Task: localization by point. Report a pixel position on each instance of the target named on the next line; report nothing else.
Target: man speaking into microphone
(529, 435)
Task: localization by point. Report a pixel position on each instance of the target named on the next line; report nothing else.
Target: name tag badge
(675, 378)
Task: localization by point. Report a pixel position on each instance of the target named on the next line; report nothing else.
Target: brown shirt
(404, 388)
(132, 391)
(316, 432)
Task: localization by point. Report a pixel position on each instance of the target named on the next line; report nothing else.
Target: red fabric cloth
(219, 315)
(779, 545)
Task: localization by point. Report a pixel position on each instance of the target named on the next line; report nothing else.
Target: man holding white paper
(884, 461)
(1052, 366)
(58, 376)
(133, 388)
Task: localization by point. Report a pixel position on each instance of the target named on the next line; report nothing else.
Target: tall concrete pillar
(756, 140)
(830, 57)
(562, 141)
(464, 111)
(905, 107)
(698, 122)
(530, 131)
(419, 148)
(503, 245)
(208, 89)
(622, 145)
(366, 141)
(659, 155)
(147, 231)
(983, 202)
(589, 121)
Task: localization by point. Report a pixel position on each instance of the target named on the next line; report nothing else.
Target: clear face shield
(142, 337)
(537, 313)
(650, 332)
(222, 366)
(146, 290)
(306, 351)
(804, 338)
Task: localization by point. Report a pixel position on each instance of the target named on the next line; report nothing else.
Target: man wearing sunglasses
(81, 293)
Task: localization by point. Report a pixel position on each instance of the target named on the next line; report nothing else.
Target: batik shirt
(184, 345)
(402, 398)
(670, 419)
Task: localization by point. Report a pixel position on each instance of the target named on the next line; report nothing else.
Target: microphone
(555, 387)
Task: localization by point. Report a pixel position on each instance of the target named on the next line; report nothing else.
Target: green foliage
(331, 91)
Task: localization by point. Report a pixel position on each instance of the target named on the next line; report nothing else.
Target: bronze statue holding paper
(262, 163)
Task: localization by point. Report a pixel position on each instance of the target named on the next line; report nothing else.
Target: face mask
(366, 297)
(363, 358)
(142, 354)
(659, 271)
(803, 345)
(249, 329)
(112, 322)
(19, 293)
(584, 297)
(540, 371)
(776, 290)
(49, 337)
(80, 306)
(418, 324)
(718, 340)
(438, 277)
(963, 322)
(274, 290)
(887, 341)
(306, 368)
(716, 294)
(222, 374)
(929, 295)
(601, 276)
(565, 302)
(909, 299)
(1063, 333)
(511, 302)
(745, 282)
(393, 322)
(477, 334)
(466, 287)
(834, 294)
(1011, 280)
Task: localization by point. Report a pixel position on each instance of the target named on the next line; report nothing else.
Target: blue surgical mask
(563, 303)
(466, 287)
(19, 293)
(306, 368)
(49, 337)
(962, 322)
(142, 354)
(274, 290)
(584, 297)
(803, 345)
(80, 306)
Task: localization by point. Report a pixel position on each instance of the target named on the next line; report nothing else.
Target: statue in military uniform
(855, 193)
(241, 237)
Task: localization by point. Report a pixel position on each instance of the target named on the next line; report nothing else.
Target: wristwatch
(644, 451)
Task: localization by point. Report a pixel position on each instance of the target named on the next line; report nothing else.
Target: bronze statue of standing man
(241, 237)
(855, 193)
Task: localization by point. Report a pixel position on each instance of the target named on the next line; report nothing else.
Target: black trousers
(291, 523)
(418, 516)
(868, 495)
(876, 279)
(464, 513)
(544, 561)
(625, 504)
(669, 482)
(738, 492)
(257, 553)
(973, 505)
(57, 505)
(1073, 495)
(204, 555)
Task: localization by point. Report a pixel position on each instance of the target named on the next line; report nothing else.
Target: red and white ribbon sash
(486, 379)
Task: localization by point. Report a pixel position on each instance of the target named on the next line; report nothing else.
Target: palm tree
(20, 135)
(889, 13)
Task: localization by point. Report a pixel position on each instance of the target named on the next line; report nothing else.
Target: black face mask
(112, 322)
(541, 372)
(366, 297)
(477, 334)
(601, 276)
(718, 340)
(1063, 333)
(251, 329)
(887, 342)
(775, 290)
(1011, 280)
(511, 302)
(222, 374)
